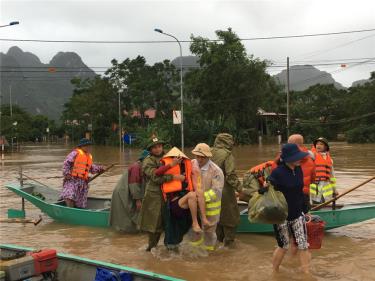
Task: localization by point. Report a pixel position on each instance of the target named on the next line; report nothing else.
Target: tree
(230, 85)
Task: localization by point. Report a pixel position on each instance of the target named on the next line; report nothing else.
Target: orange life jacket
(176, 185)
(308, 170)
(82, 164)
(258, 170)
(307, 166)
(323, 167)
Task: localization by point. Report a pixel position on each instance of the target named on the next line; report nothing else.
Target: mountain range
(40, 88)
(44, 88)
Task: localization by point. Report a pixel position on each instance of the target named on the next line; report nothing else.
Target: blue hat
(84, 142)
(143, 155)
(291, 153)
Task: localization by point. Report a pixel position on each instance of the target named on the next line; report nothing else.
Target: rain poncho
(223, 157)
(124, 216)
(211, 179)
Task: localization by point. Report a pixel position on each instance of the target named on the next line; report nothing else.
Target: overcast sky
(135, 20)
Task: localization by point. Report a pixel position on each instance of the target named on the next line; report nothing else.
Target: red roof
(150, 113)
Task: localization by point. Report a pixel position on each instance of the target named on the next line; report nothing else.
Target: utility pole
(181, 86)
(10, 100)
(287, 98)
(119, 122)
(1, 135)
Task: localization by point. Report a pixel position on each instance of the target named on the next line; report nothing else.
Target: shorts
(295, 228)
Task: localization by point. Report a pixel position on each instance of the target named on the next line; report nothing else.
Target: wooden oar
(105, 170)
(111, 165)
(30, 178)
(17, 220)
(341, 195)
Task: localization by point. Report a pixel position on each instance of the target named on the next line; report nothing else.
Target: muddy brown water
(348, 253)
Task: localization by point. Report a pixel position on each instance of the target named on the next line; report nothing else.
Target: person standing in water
(287, 177)
(127, 198)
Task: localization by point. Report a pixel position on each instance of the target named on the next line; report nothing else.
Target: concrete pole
(287, 99)
(119, 122)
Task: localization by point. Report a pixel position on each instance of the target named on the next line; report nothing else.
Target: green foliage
(323, 110)
(222, 95)
(24, 127)
(230, 85)
(362, 134)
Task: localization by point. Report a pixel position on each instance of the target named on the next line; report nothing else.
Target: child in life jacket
(183, 196)
(324, 187)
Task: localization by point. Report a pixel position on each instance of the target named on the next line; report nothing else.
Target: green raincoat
(153, 203)
(123, 216)
(222, 156)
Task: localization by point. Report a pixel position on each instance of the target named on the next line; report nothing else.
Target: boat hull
(90, 217)
(78, 268)
(97, 214)
(346, 215)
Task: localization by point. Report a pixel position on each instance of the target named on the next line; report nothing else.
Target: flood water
(348, 253)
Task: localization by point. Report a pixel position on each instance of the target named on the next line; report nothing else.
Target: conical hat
(175, 152)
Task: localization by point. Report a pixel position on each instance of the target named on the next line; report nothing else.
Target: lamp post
(2, 140)
(181, 88)
(11, 23)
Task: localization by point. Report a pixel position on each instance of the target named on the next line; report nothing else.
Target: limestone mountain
(360, 82)
(40, 88)
(302, 77)
(188, 63)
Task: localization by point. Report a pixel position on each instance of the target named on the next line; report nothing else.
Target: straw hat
(175, 152)
(202, 149)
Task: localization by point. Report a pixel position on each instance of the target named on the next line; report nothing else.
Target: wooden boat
(78, 268)
(343, 215)
(48, 201)
(97, 212)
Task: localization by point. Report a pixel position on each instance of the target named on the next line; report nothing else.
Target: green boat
(97, 212)
(78, 268)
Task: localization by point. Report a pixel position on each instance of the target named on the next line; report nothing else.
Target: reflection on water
(347, 254)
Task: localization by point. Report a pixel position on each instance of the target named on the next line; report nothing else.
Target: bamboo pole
(19, 220)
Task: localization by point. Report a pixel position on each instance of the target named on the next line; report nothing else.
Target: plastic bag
(270, 207)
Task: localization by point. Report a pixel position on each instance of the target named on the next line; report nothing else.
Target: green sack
(270, 207)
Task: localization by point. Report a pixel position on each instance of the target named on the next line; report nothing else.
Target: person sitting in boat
(287, 177)
(127, 198)
(76, 169)
(208, 177)
(151, 219)
(182, 199)
(324, 187)
(262, 171)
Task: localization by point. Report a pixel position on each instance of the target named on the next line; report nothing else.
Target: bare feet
(196, 228)
(206, 222)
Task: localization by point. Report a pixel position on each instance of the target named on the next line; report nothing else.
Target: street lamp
(2, 145)
(11, 23)
(182, 96)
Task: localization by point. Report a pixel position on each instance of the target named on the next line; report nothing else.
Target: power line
(182, 41)
(315, 53)
(325, 74)
(280, 63)
(80, 70)
(333, 122)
